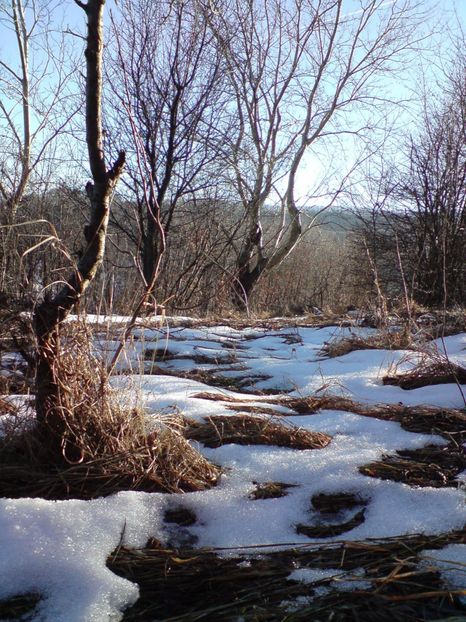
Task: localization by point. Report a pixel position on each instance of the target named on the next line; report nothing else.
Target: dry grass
(383, 340)
(244, 430)
(197, 584)
(244, 383)
(255, 409)
(427, 373)
(335, 502)
(192, 585)
(443, 323)
(105, 446)
(243, 404)
(330, 530)
(219, 397)
(448, 422)
(429, 466)
(19, 607)
(164, 354)
(270, 490)
(187, 585)
(333, 515)
(180, 516)
(162, 463)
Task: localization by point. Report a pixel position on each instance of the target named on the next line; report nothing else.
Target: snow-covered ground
(59, 548)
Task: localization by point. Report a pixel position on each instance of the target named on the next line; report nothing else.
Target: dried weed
(244, 430)
(106, 444)
(429, 466)
(382, 340)
(181, 586)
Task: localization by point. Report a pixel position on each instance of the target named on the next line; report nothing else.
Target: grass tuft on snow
(382, 340)
(433, 466)
(245, 430)
(106, 445)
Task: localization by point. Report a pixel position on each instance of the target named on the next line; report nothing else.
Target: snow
(339, 579)
(312, 575)
(58, 548)
(451, 561)
(328, 579)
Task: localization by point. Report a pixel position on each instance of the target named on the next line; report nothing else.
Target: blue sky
(445, 15)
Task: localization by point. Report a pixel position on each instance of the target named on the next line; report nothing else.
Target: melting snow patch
(58, 549)
(451, 561)
(312, 575)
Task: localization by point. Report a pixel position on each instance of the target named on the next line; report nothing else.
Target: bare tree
(302, 74)
(34, 109)
(166, 81)
(33, 93)
(416, 228)
(51, 312)
(433, 191)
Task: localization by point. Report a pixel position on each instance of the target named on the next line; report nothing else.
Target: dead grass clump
(270, 490)
(334, 503)
(164, 354)
(19, 607)
(185, 585)
(245, 384)
(300, 405)
(180, 516)
(199, 585)
(448, 422)
(312, 404)
(217, 397)
(383, 340)
(165, 462)
(427, 374)
(332, 515)
(441, 323)
(256, 409)
(330, 530)
(159, 354)
(429, 466)
(244, 430)
(104, 445)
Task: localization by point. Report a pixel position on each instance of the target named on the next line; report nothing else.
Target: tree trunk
(51, 312)
(244, 283)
